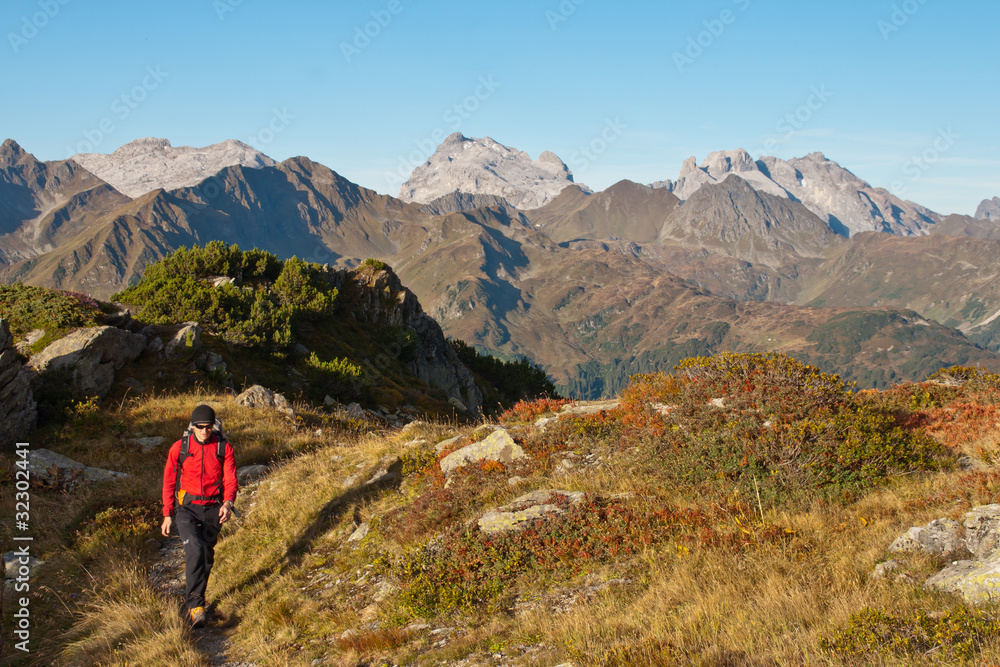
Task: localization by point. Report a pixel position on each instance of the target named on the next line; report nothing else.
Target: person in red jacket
(201, 504)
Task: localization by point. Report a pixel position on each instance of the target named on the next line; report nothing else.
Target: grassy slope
(729, 579)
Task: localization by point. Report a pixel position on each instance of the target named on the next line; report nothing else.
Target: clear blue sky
(904, 93)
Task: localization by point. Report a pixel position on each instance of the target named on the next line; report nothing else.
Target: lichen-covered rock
(18, 411)
(529, 507)
(261, 397)
(940, 537)
(91, 355)
(978, 581)
(982, 530)
(498, 446)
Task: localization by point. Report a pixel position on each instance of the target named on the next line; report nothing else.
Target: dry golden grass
(293, 584)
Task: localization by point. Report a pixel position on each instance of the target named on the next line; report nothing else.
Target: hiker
(199, 489)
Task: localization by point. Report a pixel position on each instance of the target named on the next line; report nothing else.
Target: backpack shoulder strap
(220, 451)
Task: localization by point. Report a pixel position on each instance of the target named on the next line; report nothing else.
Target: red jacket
(202, 475)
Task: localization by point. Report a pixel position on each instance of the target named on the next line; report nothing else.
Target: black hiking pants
(198, 526)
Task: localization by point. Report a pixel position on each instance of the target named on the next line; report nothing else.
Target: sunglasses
(202, 426)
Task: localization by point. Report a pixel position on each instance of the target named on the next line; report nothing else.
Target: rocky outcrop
(375, 295)
(989, 209)
(261, 397)
(144, 165)
(90, 356)
(485, 167)
(498, 446)
(18, 411)
(456, 202)
(973, 546)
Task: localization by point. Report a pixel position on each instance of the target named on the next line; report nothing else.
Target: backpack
(184, 498)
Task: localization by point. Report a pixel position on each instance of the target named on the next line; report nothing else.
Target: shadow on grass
(382, 480)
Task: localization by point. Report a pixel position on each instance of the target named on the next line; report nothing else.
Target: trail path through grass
(168, 575)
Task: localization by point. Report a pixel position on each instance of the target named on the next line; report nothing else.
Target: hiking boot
(198, 617)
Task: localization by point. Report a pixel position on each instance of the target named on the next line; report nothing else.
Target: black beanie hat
(203, 414)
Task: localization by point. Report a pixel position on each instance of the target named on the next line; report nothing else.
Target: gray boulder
(187, 338)
(45, 466)
(941, 537)
(982, 530)
(261, 397)
(977, 579)
(248, 474)
(18, 411)
(91, 355)
(498, 446)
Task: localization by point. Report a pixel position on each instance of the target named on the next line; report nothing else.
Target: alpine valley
(512, 256)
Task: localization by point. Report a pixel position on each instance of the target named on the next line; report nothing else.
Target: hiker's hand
(165, 526)
(225, 512)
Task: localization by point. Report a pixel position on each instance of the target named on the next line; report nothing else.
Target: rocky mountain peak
(10, 153)
(150, 163)
(989, 209)
(847, 203)
(487, 167)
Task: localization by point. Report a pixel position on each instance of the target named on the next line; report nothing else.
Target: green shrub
(767, 423)
(515, 380)
(954, 634)
(26, 307)
(260, 307)
(377, 264)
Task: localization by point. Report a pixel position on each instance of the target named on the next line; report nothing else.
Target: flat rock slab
(978, 581)
(529, 507)
(497, 446)
(150, 443)
(40, 462)
(588, 408)
(248, 474)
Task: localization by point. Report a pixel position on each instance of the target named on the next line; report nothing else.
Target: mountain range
(797, 256)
